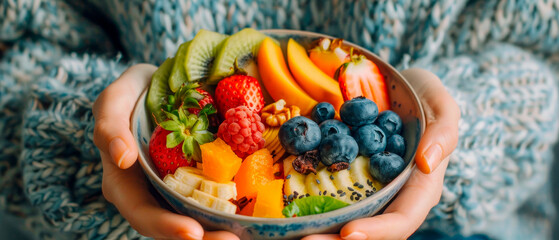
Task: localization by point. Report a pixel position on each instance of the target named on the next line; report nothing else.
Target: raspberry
(242, 130)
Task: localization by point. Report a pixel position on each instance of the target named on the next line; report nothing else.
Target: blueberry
(389, 122)
(322, 111)
(370, 138)
(359, 111)
(332, 126)
(385, 166)
(396, 144)
(338, 148)
(299, 135)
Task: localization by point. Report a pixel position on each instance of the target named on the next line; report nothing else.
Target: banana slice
(312, 185)
(190, 182)
(294, 182)
(327, 186)
(203, 198)
(213, 202)
(178, 186)
(224, 206)
(224, 191)
(349, 185)
(189, 176)
(343, 183)
(363, 182)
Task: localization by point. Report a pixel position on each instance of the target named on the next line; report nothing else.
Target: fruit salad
(241, 128)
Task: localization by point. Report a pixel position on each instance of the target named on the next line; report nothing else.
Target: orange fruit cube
(219, 162)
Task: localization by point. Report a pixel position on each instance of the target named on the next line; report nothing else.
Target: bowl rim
(261, 220)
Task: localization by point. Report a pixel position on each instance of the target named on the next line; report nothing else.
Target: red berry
(239, 90)
(166, 160)
(242, 131)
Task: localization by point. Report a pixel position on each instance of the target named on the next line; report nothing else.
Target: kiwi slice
(178, 74)
(159, 90)
(242, 46)
(201, 53)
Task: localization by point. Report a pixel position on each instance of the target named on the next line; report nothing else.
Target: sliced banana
(294, 182)
(343, 183)
(327, 186)
(189, 176)
(350, 185)
(210, 201)
(312, 185)
(190, 182)
(363, 182)
(224, 191)
(178, 186)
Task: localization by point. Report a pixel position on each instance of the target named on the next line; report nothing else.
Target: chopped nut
(276, 114)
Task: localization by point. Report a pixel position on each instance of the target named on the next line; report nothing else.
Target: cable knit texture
(496, 58)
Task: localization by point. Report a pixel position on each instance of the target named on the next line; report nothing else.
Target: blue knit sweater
(498, 59)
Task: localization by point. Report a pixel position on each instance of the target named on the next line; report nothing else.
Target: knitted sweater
(496, 58)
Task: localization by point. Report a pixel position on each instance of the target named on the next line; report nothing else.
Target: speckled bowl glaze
(404, 102)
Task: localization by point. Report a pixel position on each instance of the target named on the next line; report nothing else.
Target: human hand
(124, 184)
(423, 189)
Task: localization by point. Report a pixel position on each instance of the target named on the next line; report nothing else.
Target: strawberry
(176, 141)
(239, 90)
(203, 102)
(361, 77)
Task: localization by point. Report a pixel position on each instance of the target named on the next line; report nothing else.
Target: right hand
(124, 183)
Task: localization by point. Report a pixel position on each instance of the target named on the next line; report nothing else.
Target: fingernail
(118, 151)
(433, 156)
(355, 236)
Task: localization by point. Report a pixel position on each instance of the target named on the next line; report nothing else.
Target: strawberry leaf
(190, 120)
(207, 110)
(171, 116)
(201, 124)
(191, 102)
(174, 139)
(195, 94)
(188, 146)
(203, 136)
(197, 155)
(182, 115)
(171, 125)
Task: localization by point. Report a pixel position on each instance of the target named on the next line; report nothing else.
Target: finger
(442, 115)
(405, 214)
(322, 237)
(220, 235)
(112, 111)
(128, 190)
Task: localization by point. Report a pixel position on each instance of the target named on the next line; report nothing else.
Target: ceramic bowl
(404, 102)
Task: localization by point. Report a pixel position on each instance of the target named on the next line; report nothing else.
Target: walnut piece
(276, 114)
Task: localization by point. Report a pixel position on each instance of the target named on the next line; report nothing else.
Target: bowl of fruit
(277, 133)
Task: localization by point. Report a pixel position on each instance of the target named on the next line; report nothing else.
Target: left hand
(423, 189)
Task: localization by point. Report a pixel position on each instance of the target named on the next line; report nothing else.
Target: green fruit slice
(201, 53)
(178, 74)
(159, 90)
(242, 46)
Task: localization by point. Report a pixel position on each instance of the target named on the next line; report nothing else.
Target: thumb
(112, 111)
(441, 114)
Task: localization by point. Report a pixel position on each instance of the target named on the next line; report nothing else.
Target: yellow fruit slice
(278, 80)
(316, 83)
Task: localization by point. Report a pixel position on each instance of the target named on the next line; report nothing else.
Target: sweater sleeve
(508, 102)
